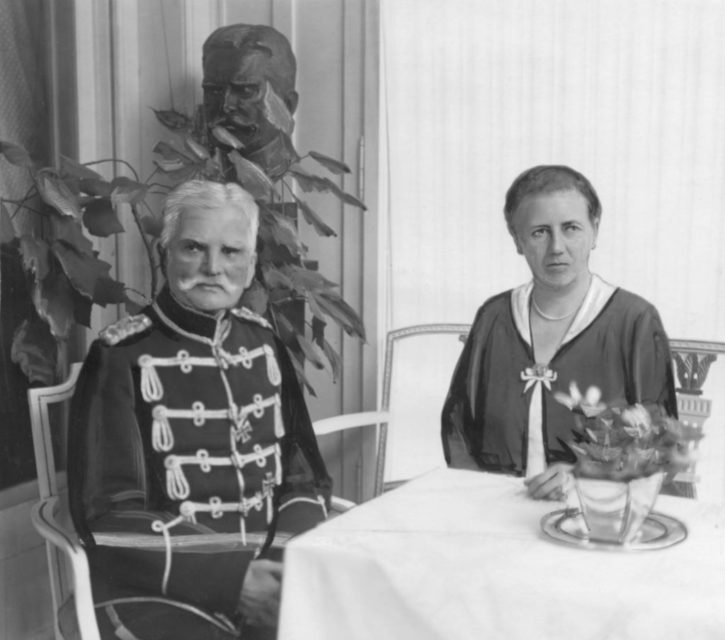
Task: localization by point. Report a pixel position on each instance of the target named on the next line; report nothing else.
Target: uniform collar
(597, 296)
(186, 320)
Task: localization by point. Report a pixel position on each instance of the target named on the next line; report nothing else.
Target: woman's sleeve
(651, 378)
(457, 426)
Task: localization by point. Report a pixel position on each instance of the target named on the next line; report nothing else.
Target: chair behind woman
(418, 364)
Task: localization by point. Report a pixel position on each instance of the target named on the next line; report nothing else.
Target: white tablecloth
(459, 554)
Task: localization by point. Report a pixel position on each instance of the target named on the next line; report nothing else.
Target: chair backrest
(49, 420)
(700, 399)
(45, 444)
(419, 364)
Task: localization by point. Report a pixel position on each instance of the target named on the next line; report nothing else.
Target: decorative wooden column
(692, 360)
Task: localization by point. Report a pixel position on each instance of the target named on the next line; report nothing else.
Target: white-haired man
(191, 449)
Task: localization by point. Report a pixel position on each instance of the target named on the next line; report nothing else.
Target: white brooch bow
(538, 373)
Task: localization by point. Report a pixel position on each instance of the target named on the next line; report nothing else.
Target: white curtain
(629, 92)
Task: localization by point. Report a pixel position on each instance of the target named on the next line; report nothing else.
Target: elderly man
(191, 453)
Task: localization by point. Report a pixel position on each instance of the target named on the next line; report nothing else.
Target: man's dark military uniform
(191, 453)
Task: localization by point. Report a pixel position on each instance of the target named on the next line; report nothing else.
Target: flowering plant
(623, 442)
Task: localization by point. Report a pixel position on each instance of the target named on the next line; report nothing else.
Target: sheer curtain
(630, 92)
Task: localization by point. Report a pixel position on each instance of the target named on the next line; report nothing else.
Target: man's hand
(259, 602)
(551, 484)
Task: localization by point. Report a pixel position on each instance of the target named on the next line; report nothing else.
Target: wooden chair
(59, 537)
(335, 424)
(412, 445)
(419, 364)
(420, 427)
(417, 370)
(67, 562)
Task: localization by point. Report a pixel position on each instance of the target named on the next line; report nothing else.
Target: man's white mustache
(189, 283)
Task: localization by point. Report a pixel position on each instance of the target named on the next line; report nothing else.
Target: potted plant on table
(624, 453)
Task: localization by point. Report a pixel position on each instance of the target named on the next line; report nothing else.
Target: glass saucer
(658, 532)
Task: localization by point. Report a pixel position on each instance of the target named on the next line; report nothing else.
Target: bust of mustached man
(238, 61)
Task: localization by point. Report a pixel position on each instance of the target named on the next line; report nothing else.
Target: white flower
(589, 404)
(592, 396)
(637, 419)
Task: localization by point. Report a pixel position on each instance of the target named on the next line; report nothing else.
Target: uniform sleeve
(304, 496)
(457, 427)
(650, 377)
(109, 495)
(105, 457)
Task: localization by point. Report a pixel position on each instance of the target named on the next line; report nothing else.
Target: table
(459, 554)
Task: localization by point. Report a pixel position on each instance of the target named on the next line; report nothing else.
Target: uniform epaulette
(124, 328)
(247, 314)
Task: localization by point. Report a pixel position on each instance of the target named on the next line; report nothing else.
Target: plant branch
(151, 175)
(273, 318)
(139, 294)
(148, 208)
(123, 162)
(275, 303)
(149, 250)
(284, 184)
(21, 205)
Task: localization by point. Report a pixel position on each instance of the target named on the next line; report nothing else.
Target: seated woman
(566, 325)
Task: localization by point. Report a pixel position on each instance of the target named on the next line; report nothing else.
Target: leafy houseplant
(623, 453)
(67, 277)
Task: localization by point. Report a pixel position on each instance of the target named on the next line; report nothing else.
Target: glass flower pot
(615, 510)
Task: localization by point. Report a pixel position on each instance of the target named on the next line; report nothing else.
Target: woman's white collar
(597, 296)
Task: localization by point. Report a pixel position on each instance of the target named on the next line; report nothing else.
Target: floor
(25, 600)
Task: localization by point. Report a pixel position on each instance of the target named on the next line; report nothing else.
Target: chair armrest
(47, 525)
(340, 505)
(350, 421)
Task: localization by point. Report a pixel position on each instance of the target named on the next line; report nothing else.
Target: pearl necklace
(548, 317)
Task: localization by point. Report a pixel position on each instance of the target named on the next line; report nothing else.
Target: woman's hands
(259, 602)
(552, 484)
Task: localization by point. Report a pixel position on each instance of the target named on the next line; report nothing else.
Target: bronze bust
(242, 65)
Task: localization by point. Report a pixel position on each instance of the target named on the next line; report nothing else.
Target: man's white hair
(204, 194)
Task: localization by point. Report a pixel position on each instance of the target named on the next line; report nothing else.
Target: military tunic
(190, 453)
